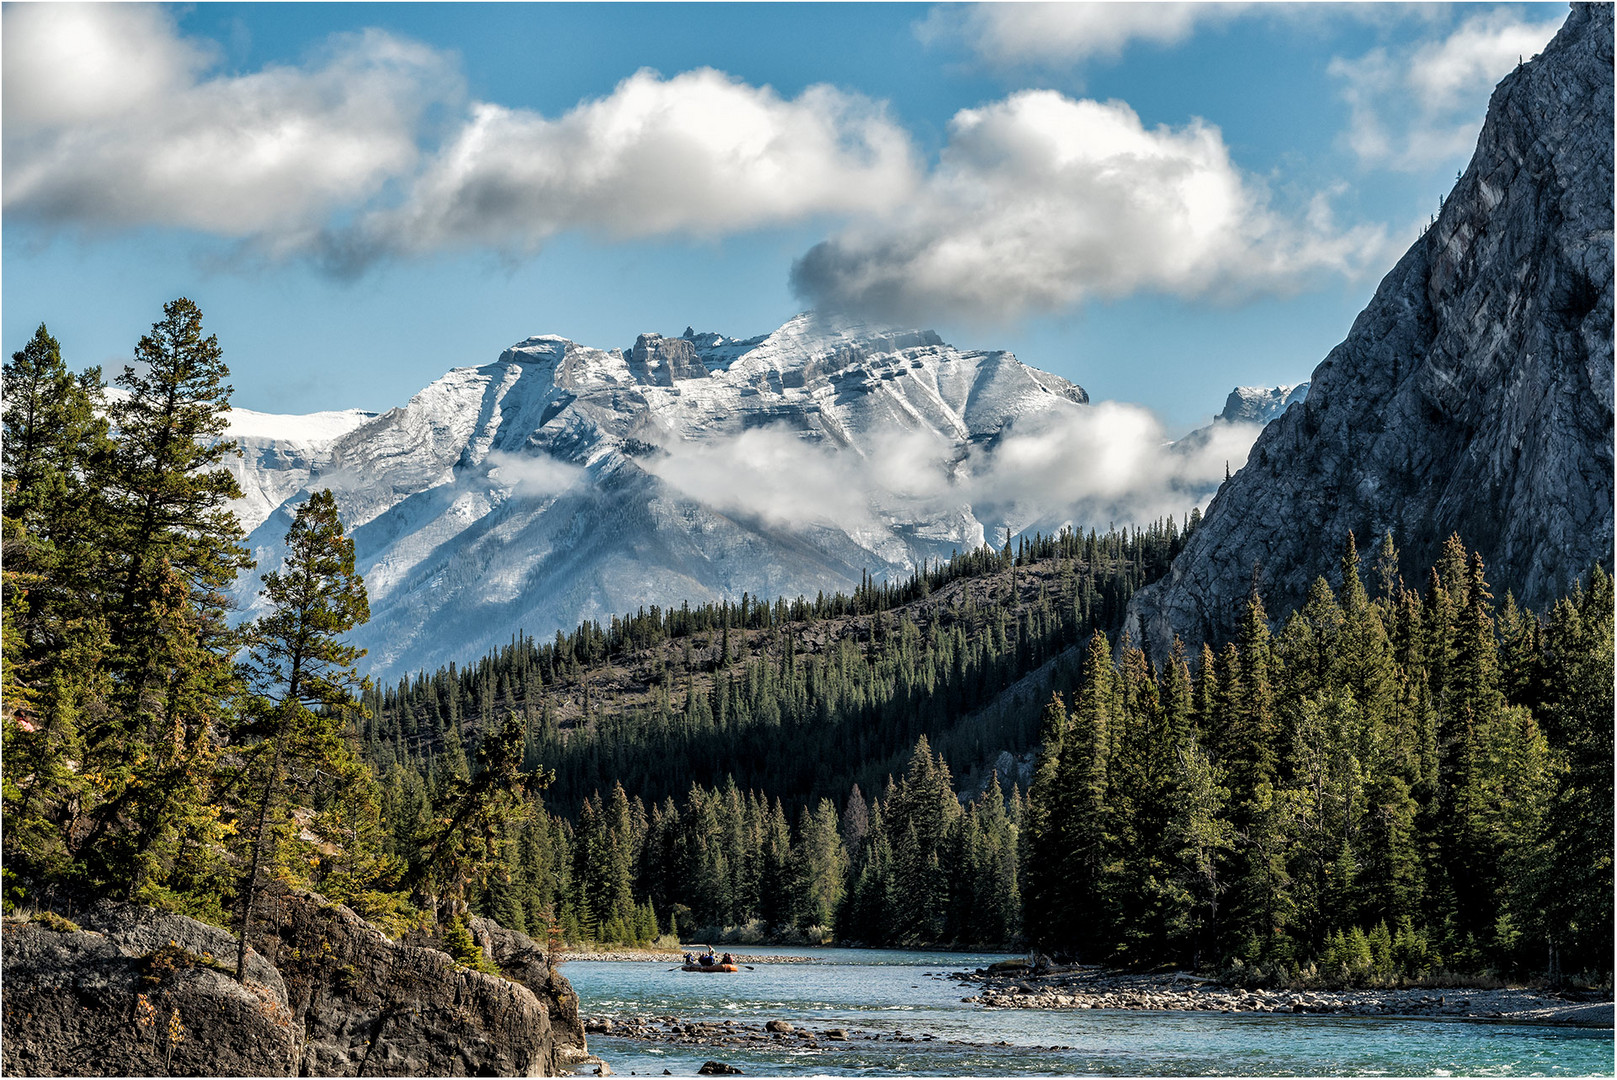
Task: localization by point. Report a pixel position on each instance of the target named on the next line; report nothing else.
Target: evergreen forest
(1402, 779)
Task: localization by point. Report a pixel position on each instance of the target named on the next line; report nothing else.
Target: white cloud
(1417, 106)
(1040, 202)
(1070, 464)
(772, 475)
(109, 121)
(535, 477)
(700, 153)
(1108, 462)
(1066, 33)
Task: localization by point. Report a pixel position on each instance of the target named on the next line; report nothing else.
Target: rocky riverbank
(131, 991)
(771, 1035)
(1096, 988)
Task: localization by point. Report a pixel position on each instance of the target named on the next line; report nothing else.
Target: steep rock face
(371, 1006)
(521, 958)
(555, 484)
(139, 993)
(1473, 394)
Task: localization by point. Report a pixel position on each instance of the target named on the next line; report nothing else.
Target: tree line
(800, 699)
(1394, 782)
(1386, 787)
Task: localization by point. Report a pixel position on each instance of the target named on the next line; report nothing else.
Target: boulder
(371, 1005)
(139, 993)
(136, 991)
(521, 958)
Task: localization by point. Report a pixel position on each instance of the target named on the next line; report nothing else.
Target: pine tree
(53, 683)
(303, 678)
(176, 546)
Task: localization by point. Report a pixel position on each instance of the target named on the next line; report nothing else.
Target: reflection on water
(905, 993)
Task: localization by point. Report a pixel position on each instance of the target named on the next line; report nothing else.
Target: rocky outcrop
(521, 958)
(1473, 394)
(132, 992)
(369, 1005)
(139, 992)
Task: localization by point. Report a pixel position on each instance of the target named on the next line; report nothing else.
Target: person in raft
(727, 959)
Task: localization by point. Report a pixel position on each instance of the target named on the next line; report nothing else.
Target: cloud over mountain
(1040, 202)
(700, 153)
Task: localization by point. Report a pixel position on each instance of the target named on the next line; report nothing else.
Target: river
(907, 994)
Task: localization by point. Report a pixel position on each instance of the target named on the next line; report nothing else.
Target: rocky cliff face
(136, 992)
(132, 992)
(1473, 394)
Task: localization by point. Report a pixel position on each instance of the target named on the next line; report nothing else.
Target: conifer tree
(175, 545)
(302, 675)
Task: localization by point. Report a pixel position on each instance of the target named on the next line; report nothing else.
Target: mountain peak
(1472, 395)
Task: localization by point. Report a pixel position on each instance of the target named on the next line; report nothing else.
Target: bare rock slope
(1472, 395)
(137, 992)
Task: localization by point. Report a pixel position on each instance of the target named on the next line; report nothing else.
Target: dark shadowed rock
(139, 993)
(1473, 394)
(521, 958)
(371, 1005)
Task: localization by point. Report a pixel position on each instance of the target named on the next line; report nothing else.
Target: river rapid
(885, 998)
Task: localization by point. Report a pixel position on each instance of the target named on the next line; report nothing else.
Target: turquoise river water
(906, 992)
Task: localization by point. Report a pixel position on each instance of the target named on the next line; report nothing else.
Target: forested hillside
(1399, 781)
(800, 698)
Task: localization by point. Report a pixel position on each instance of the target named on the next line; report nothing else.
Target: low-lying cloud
(1085, 465)
(1041, 202)
(534, 477)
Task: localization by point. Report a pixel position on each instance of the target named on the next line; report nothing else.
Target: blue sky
(1158, 202)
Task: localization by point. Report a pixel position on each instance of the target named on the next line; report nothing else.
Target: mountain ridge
(565, 482)
(1472, 395)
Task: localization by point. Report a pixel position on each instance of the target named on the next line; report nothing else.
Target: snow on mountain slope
(279, 453)
(564, 482)
(1261, 404)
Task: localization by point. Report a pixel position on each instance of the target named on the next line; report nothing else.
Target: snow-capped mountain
(1260, 404)
(279, 454)
(564, 482)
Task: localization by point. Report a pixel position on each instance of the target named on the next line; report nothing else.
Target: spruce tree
(303, 679)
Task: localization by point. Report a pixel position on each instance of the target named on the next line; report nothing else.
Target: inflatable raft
(695, 954)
